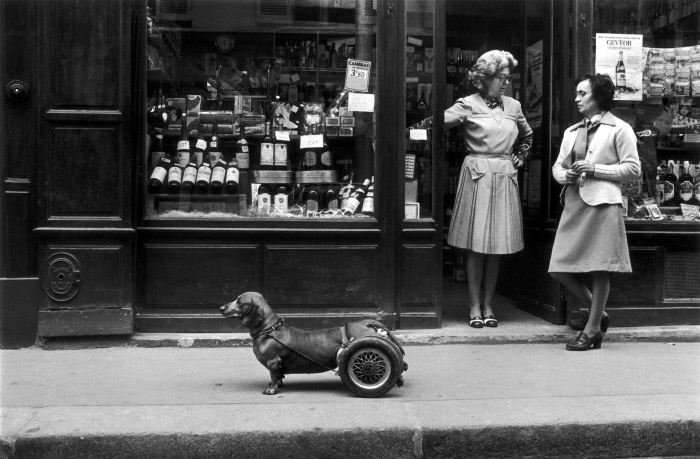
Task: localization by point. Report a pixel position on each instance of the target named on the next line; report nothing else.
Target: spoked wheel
(370, 366)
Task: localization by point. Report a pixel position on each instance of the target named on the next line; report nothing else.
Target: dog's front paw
(270, 391)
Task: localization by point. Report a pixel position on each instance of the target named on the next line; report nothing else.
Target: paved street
(639, 399)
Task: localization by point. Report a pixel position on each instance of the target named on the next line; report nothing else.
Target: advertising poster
(620, 57)
(533, 86)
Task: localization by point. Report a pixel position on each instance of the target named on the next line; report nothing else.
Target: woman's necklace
(492, 102)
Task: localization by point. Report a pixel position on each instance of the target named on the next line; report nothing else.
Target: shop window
(658, 93)
(260, 109)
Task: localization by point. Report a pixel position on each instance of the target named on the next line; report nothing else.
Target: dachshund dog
(286, 350)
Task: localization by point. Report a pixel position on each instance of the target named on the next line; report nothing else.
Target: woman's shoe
(583, 343)
(604, 323)
(476, 322)
(490, 321)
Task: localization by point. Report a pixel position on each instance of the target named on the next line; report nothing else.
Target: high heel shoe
(583, 343)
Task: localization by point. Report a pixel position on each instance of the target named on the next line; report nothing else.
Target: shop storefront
(166, 156)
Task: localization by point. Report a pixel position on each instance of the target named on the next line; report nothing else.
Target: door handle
(17, 90)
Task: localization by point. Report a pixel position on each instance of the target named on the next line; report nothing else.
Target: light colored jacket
(613, 152)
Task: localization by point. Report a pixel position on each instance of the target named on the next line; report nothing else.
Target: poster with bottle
(620, 57)
(534, 95)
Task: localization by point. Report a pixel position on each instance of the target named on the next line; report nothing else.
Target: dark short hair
(602, 87)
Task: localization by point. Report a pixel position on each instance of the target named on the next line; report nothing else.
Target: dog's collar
(276, 326)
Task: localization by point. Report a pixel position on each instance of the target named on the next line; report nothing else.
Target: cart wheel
(370, 366)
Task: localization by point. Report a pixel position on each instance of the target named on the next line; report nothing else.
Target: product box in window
(314, 119)
(288, 116)
(174, 110)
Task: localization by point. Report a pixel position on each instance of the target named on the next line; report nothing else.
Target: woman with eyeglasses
(596, 154)
(487, 220)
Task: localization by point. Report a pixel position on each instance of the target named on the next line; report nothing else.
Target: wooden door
(84, 161)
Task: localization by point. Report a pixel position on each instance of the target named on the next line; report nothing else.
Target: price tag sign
(282, 135)
(690, 211)
(418, 134)
(358, 102)
(311, 141)
(357, 75)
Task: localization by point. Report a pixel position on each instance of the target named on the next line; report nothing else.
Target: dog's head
(250, 307)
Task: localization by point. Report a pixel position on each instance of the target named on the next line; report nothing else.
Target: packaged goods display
(256, 123)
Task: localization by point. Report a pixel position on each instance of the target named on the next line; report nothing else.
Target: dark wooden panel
(103, 273)
(19, 302)
(639, 287)
(181, 275)
(321, 275)
(682, 275)
(86, 322)
(84, 46)
(418, 281)
(18, 244)
(85, 173)
(18, 54)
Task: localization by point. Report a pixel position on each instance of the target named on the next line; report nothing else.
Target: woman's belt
(489, 155)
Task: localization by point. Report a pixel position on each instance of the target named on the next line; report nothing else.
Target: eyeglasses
(504, 78)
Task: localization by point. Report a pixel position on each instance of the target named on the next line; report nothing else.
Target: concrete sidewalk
(627, 399)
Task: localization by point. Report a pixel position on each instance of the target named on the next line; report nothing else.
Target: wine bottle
(670, 185)
(421, 102)
(356, 198)
(310, 160)
(264, 200)
(327, 162)
(213, 152)
(267, 150)
(218, 175)
(174, 177)
(312, 200)
(243, 151)
(203, 176)
(281, 155)
(281, 198)
(346, 191)
(200, 147)
(696, 184)
(659, 190)
(685, 184)
(368, 203)
(232, 177)
(620, 74)
(189, 176)
(333, 59)
(159, 174)
(157, 152)
(330, 199)
(183, 152)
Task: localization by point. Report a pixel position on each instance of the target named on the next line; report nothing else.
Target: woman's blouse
(490, 131)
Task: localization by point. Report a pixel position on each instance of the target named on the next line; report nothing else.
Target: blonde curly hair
(488, 65)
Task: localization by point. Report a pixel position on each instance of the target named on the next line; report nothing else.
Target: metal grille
(682, 278)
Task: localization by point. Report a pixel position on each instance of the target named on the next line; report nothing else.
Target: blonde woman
(487, 220)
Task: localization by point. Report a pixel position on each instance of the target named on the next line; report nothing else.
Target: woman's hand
(583, 166)
(517, 160)
(571, 176)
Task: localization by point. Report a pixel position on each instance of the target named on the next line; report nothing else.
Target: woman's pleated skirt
(487, 216)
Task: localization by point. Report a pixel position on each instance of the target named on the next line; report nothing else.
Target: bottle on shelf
(312, 200)
(670, 185)
(267, 150)
(310, 160)
(243, 151)
(659, 189)
(620, 74)
(175, 177)
(281, 198)
(218, 176)
(327, 162)
(189, 176)
(347, 190)
(311, 58)
(264, 199)
(157, 151)
(330, 199)
(368, 203)
(421, 102)
(213, 152)
(159, 174)
(203, 176)
(232, 177)
(685, 185)
(183, 151)
(333, 57)
(356, 198)
(281, 157)
(200, 148)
